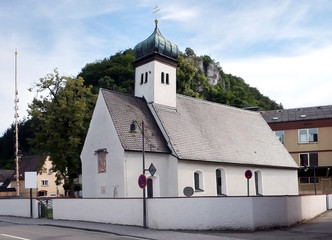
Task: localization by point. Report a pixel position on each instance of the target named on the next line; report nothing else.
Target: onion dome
(156, 43)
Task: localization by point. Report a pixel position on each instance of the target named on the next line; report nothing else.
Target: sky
(283, 48)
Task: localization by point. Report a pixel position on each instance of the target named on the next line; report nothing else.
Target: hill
(197, 76)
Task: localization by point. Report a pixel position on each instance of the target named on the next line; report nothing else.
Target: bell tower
(155, 69)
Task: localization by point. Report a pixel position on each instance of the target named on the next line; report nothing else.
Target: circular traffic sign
(142, 181)
(248, 174)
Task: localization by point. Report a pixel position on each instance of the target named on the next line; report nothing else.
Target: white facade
(122, 167)
(102, 135)
(148, 83)
(270, 181)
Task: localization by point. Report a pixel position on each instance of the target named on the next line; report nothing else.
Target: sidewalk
(318, 228)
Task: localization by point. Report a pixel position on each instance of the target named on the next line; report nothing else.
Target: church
(184, 146)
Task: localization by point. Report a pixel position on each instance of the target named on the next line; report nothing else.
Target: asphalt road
(9, 231)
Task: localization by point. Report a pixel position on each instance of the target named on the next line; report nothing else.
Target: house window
(101, 153)
(142, 78)
(198, 181)
(162, 77)
(308, 135)
(280, 135)
(146, 77)
(308, 159)
(44, 183)
(307, 180)
(167, 78)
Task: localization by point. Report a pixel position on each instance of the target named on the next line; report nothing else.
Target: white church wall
(101, 135)
(164, 180)
(273, 181)
(280, 181)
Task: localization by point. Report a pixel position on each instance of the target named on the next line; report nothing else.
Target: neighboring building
(307, 135)
(46, 186)
(6, 190)
(5, 176)
(191, 142)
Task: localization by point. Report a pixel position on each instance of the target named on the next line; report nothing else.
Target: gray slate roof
(198, 130)
(124, 109)
(30, 163)
(206, 131)
(5, 176)
(298, 114)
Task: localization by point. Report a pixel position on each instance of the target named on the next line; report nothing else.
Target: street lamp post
(133, 133)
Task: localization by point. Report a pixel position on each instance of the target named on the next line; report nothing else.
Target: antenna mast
(16, 132)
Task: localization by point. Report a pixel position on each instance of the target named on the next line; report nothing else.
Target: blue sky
(283, 48)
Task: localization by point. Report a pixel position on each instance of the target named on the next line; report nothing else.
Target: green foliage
(63, 116)
(189, 52)
(7, 143)
(115, 73)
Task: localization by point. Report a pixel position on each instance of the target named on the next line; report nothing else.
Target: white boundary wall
(117, 211)
(237, 213)
(18, 207)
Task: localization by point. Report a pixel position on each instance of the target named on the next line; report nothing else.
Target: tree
(189, 52)
(63, 115)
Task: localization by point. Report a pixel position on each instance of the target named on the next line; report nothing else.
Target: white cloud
(294, 81)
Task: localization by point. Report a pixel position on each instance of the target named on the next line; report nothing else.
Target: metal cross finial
(156, 9)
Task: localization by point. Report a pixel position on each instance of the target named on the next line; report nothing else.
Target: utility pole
(16, 131)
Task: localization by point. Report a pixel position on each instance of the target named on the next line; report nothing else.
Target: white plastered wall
(274, 181)
(102, 134)
(154, 90)
(165, 176)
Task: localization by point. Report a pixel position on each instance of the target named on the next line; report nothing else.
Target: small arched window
(146, 77)
(142, 78)
(198, 181)
(258, 183)
(162, 77)
(221, 182)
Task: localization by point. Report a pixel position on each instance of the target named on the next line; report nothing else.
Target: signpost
(30, 182)
(248, 175)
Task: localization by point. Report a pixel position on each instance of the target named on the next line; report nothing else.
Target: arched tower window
(162, 77)
(146, 77)
(167, 78)
(142, 78)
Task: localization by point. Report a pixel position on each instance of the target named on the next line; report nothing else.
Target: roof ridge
(215, 103)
